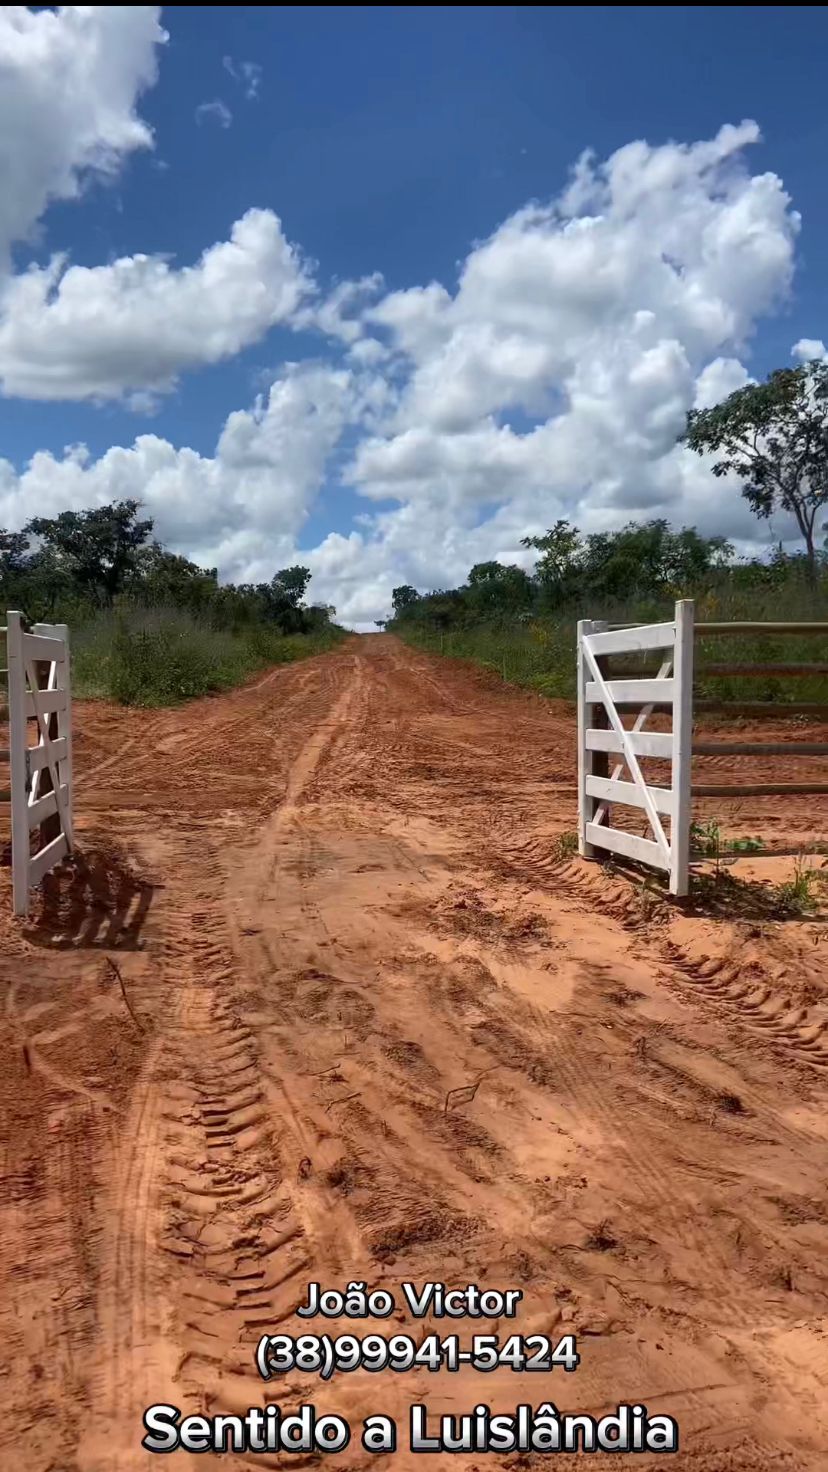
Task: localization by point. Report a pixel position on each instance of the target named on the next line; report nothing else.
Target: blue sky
(389, 141)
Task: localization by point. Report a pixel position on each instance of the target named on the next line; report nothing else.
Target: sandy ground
(322, 1001)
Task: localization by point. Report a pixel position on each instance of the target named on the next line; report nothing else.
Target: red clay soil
(323, 1000)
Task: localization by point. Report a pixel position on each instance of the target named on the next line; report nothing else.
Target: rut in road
(383, 1033)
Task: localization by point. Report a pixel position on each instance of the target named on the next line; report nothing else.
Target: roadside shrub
(159, 656)
(540, 654)
(157, 668)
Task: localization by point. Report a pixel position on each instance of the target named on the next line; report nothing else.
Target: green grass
(566, 845)
(539, 653)
(154, 657)
(708, 841)
(806, 889)
(725, 894)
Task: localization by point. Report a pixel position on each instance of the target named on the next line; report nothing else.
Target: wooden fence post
(18, 741)
(682, 748)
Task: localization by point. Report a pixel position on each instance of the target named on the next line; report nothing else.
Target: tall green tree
(557, 570)
(161, 577)
(495, 588)
(14, 550)
(282, 598)
(774, 437)
(292, 583)
(648, 559)
(97, 549)
(33, 578)
(403, 597)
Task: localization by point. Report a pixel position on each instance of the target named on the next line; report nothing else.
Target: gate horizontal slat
(630, 794)
(630, 641)
(631, 692)
(39, 756)
(40, 646)
(46, 806)
(47, 858)
(643, 743)
(628, 844)
(47, 700)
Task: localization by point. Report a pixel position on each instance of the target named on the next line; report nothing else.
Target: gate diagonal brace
(46, 739)
(640, 722)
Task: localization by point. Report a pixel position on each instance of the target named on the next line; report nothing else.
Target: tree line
(74, 564)
(641, 564)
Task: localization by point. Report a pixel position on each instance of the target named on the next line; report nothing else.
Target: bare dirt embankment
(305, 914)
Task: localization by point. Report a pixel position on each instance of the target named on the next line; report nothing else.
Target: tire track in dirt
(557, 1058)
(237, 1252)
(231, 1222)
(280, 695)
(195, 1256)
(760, 1007)
(561, 1058)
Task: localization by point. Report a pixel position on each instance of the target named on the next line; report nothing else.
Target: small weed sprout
(566, 845)
(801, 894)
(707, 841)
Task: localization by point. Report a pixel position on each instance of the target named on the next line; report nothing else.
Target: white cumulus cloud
(809, 348)
(74, 332)
(69, 82)
(555, 379)
(240, 509)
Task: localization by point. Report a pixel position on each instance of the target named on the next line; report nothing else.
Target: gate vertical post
(682, 748)
(600, 764)
(18, 742)
(64, 727)
(590, 763)
(586, 850)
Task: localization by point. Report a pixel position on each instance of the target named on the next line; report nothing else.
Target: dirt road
(324, 1002)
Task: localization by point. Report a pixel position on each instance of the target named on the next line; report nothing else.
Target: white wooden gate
(668, 846)
(40, 761)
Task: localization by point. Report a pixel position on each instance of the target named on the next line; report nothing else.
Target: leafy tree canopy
(82, 560)
(649, 560)
(98, 548)
(282, 597)
(497, 588)
(774, 437)
(402, 597)
(291, 584)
